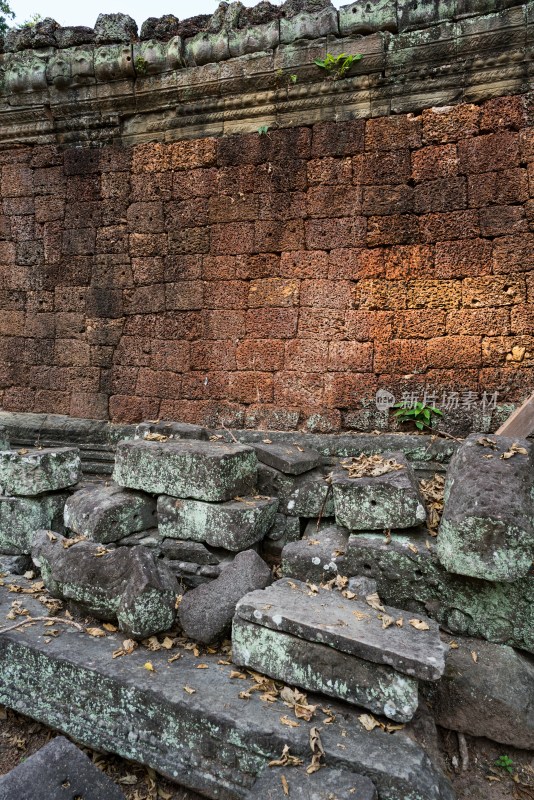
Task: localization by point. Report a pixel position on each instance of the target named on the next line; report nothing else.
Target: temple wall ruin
(209, 229)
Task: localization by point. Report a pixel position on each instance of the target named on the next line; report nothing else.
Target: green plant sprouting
(337, 66)
(505, 762)
(262, 130)
(141, 66)
(420, 414)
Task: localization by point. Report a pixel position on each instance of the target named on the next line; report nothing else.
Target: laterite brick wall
(272, 280)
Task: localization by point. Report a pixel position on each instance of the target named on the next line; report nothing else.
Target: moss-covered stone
(307, 495)
(33, 472)
(107, 513)
(21, 517)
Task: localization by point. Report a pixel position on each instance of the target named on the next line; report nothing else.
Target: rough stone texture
(188, 551)
(392, 500)
(209, 471)
(206, 612)
(58, 771)
(106, 513)
(350, 626)
(306, 495)
(234, 525)
(174, 430)
(126, 585)
(4, 441)
(284, 530)
(290, 459)
(487, 527)
(33, 472)
(318, 668)
(213, 741)
(21, 517)
(323, 785)
(15, 565)
(409, 575)
(111, 28)
(492, 697)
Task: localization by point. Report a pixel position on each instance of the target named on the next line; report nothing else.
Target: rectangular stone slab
(233, 525)
(307, 495)
(211, 471)
(33, 472)
(392, 500)
(350, 626)
(210, 741)
(487, 527)
(21, 517)
(107, 512)
(318, 668)
(58, 771)
(4, 441)
(290, 459)
(326, 784)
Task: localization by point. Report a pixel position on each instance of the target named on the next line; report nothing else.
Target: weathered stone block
(388, 501)
(173, 430)
(92, 696)
(491, 697)
(350, 626)
(33, 472)
(318, 668)
(21, 517)
(58, 771)
(106, 512)
(319, 556)
(15, 565)
(327, 784)
(206, 612)
(289, 459)
(210, 471)
(127, 585)
(307, 495)
(283, 530)
(487, 527)
(4, 441)
(234, 525)
(361, 17)
(309, 25)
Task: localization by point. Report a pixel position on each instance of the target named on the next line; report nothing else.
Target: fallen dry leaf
(95, 632)
(514, 449)
(317, 751)
(368, 722)
(370, 466)
(474, 655)
(419, 625)
(148, 665)
(189, 690)
(386, 620)
(373, 600)
(360, 615)
(285, 785)
(286, 759)
(292, 723)
(109, 627)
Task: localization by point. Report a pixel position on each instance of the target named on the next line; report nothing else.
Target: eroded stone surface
(319, 668)
(210, 471)
(128, 584)
(58, 771)
(213, 741)
(107, 512)
(4, 441)
(15, 565)
(173, 430)
(307, 495)
(491, 697)
(234, 525)
(290, 459)
(487, 527)
(387, 501)
(206, 612)
(33, 472)
(327, 784)
(351, 626)
(319, 556)
(21, 517)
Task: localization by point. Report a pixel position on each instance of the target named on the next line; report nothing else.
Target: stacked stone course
(275, 279)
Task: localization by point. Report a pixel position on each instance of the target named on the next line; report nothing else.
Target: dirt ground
(483, 780)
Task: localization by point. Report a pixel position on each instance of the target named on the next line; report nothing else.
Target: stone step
(318, 668)
(211, 740)
(211, 471)
(391, 500)
(350, 626)
(107, 512)
(277, 783)
(287, 458)
(58, 771)
(31, 472)
(233, 525)
(487, 527)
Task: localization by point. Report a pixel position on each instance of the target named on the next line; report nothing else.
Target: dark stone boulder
(74, 35)
(190, 27)
(259, 14)
(115, 28)
(206, 612)
(291, 8)
(160, 28)
(58, 771)
(128, 585)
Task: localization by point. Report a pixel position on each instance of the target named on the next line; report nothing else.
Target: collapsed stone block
(107, 513)
(15, 565)
(319, 668)
(211, 471)
(58, 771)
(4, 441)
(350, 626)
(170, 430)
(233, 525)
(377, 501)
(283, 530)
(326, 784)
(487, 527)
(492, 696)
(307, 495)
(21, 517)
(318, 556)
(206, 612)
(32, 472)
(287, 458)
(127, 585)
